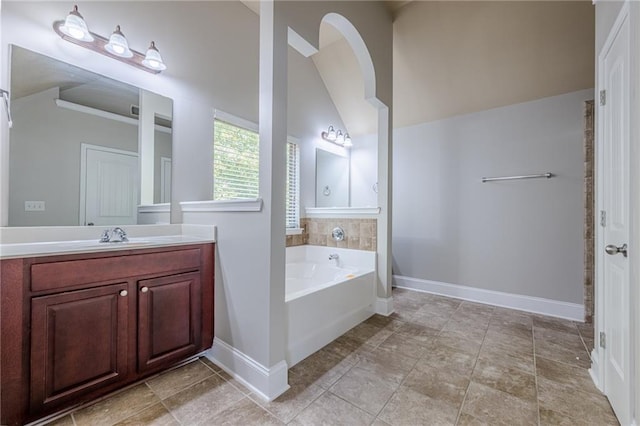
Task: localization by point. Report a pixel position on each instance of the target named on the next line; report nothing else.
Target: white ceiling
(34, 73)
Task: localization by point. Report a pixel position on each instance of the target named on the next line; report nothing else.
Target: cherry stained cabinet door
(169, 319)
(78, 343)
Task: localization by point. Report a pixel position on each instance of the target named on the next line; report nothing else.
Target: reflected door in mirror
(110, 186)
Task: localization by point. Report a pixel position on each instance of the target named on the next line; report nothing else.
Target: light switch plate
(34, 206)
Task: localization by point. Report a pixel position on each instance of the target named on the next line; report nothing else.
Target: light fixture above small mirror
(337, 137)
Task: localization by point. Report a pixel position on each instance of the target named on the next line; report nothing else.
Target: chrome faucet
(334, 256)
(104, 238)
(115, 235)
(118, 235)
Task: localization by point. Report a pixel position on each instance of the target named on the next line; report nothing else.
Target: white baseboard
(268, 383)
(538, 305)
(384, 306)
(322, 336)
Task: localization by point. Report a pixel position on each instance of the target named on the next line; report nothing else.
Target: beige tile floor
(436, 361)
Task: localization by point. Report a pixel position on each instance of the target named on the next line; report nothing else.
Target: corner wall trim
(538, 305)
(384, 306)
(268, 383)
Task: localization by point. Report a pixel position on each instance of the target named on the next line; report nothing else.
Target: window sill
(295, 231)
(245, 205)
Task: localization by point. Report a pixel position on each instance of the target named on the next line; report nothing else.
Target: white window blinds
(293, 186)
(235, 162)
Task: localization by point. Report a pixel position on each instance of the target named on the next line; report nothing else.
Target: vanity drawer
(73, 273)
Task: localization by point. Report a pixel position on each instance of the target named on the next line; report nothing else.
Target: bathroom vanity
(78, 326)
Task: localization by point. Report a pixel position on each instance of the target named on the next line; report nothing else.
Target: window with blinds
(235, 162)
(293, 186)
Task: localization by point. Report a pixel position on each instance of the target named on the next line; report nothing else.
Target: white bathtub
(325, 298)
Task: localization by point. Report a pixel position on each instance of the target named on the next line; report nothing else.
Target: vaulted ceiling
(459, 57)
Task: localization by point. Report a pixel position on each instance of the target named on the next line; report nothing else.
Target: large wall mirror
(332, 179)
(84, 149)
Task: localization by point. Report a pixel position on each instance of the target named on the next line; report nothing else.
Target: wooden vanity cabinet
(169, 318)
(78, 343)
(75, 327)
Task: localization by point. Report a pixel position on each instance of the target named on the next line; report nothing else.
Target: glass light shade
(331, 134)
(347, 141)
(340, 138)
(118, 45)
(74, 26)
(153, 60)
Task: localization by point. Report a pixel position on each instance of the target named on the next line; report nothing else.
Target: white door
(109, 193)
(614, 66)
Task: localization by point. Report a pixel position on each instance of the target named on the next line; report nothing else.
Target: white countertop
(52, 240)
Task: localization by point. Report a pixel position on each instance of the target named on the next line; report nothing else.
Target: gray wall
(163, 148)
(520, 237)
(45, 156)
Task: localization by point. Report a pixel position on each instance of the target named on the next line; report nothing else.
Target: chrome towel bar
(537, 176)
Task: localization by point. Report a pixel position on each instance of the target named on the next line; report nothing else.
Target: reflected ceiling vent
(134, 110)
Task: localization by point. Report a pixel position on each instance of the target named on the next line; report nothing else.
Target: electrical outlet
(34, 206)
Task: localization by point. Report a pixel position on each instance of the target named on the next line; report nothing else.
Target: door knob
(144, 289)
(123, 293)
(611, 249)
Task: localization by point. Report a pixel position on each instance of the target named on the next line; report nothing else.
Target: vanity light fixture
(337, 137)
(118, 44)
(74, 29)
(153, 60)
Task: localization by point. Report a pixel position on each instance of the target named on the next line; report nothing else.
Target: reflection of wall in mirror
(162, 153)
(45, 156)
(151, 105)
(332, 171)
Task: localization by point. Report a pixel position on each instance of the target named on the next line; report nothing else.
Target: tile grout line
(109, 397)
(377, 416)
(170, 412)
(535, 368)
(464, 398)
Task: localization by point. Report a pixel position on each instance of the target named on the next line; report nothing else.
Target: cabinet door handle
(144, 289)
(123, 293)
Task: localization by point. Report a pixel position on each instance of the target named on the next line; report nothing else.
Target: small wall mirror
(84, 149)
(332, 179)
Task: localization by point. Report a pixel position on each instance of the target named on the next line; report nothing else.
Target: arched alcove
(368, 72)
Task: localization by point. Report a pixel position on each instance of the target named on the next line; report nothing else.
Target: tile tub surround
(298, 240)
(360, 234)
(436, 361)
